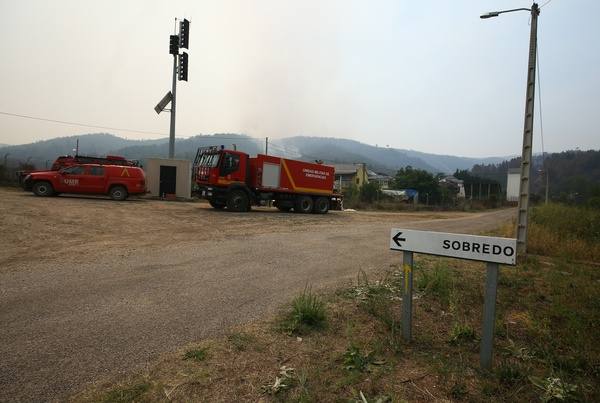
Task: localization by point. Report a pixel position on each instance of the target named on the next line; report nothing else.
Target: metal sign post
(492, 250)
(407, 295)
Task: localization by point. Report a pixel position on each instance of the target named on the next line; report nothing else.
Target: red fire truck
(233, 179)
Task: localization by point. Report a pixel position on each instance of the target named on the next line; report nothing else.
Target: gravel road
(90, 288)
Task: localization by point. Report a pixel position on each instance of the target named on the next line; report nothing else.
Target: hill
(331, 150)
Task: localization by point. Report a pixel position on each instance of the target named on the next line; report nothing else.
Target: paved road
(71, 320)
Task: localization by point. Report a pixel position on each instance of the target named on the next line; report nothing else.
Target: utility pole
(266, 146)
(524, 185)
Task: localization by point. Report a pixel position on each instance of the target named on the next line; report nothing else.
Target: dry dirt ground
(91, 288)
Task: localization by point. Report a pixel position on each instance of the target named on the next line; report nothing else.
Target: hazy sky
(423, 75)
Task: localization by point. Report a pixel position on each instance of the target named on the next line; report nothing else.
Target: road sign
(164, 102)
(472, 247)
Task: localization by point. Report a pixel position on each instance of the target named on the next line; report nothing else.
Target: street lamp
(492, 14)
(524, 185)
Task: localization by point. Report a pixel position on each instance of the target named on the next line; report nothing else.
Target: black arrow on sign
(397, 239)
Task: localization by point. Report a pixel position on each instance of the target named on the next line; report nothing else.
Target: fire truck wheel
(238, 201)
(118, 193)
(216, 204)
(321, 205)
(304, 205)
(43, 189)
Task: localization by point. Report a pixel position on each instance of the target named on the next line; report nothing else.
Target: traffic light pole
(524, 188)
(173, 102)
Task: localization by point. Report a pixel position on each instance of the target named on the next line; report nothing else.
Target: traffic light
(184, 34)
(183, 66)
(173, 44)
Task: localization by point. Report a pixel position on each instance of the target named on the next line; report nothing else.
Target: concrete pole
(172, 128)
(524, 186)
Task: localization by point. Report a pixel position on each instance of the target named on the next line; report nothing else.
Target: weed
(304, 395)
(509, 374)
(355, 360)
(284, 380)
(386, 288)
(307, 313)
(459, 390)
(437, 282)
(126, 395)
(520, 353)
(241, 341)
(196, 354)
(553, 388)
(462, 333)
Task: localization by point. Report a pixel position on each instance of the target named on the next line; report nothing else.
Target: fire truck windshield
(209, 160)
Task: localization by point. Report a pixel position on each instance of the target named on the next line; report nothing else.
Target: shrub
(307, 313)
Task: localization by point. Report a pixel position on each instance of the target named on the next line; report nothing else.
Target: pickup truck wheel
(118, 193)
(238, 201)
(43, 189)
(303, 205)
(217, 204)
(321, 205)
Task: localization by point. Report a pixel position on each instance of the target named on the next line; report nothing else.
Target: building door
(168, 180)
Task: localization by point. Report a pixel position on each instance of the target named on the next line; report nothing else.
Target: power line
(545, 4)
(539, 80)
(64, 122)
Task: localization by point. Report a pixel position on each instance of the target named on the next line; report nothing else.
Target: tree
(369, 192)
(420, 180)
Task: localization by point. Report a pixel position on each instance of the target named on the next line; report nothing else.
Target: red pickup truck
(117, 181)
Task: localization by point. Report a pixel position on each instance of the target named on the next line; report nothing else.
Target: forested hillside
(331, 150)
(572, 175)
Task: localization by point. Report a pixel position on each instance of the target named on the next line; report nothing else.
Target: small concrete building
(169, 178)
(513, 181)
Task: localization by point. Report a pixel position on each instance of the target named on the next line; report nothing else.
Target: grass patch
(126, 395)
(509, 373)
(196, 354)
(241, 341)
(565, 231)
(307, 313)
(437, 282)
